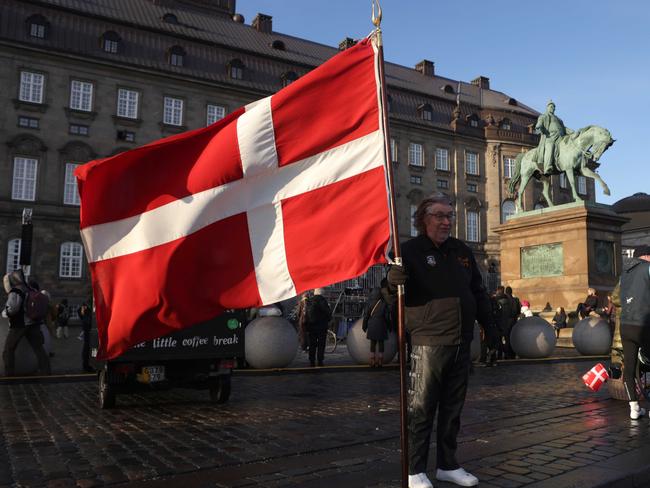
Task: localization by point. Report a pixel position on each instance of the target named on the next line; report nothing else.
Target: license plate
(153, 374)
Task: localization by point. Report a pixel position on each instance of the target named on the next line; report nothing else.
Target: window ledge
(172, 129)
(125, 121)
(416, 167)
(79, 114)
(30, 106)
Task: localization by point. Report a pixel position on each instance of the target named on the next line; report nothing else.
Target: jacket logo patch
(464, 261)
(629, 300)
(431, 260)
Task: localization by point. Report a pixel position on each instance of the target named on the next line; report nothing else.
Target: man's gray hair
(423, 208)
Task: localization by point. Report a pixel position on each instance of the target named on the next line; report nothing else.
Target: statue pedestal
(551, 256)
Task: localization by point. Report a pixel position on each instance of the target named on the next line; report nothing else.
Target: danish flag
(286, 194)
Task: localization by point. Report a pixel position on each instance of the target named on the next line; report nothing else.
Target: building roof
(639, 202)
(219, 30)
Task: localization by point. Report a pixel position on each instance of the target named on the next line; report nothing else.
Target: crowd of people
(32, 315)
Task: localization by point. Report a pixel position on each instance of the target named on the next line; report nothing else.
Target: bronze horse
(574, 152)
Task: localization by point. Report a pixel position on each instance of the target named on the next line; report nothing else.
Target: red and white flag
(284, 195)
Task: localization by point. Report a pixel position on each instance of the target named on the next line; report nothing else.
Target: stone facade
(65, 65)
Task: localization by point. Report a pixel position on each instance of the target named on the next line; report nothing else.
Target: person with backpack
(314, 317)
(377, 321)
(26, 312)
(62, 317)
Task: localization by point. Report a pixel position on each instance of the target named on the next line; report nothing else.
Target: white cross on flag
(282, 196)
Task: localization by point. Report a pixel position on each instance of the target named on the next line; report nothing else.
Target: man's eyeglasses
(439, 216)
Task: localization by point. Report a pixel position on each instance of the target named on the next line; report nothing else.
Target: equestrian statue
(560, 150)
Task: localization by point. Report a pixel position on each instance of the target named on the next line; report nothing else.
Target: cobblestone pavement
(532, 425)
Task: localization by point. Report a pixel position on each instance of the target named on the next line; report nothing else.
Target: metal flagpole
(376, 20)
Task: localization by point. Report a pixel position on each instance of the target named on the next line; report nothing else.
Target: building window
(442, 159)
(170, 19)
(414, 231)
(70, 191)
(472, 187)
(37, 26)
(508, 167)
(31, 87)
(416, 180)
(127, 103)
(471, 163)
(426, 112)
(111, 42)
(473, 123)
(442, 184)
(288, 78)
(28, 122)
(24, 181)
(78, 129)
(505, 124)
(126, 135)
(393, 150)
(13, 255)
(173, 111)
(70, 261)
(508, 209)
(415, 154)
(582, 185)
(563, 182)
(176, 56)
(81, 95)
(236, 69)
(472, 226)
(214, 113)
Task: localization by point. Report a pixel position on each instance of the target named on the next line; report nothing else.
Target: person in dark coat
(635, 320)
(377, 320)
(20, 325)
(314, 317)
(589, 305)
(504, 320)
(559, 320)
(444, 295)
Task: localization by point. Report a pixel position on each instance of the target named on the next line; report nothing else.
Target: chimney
(263, 23)
(482, 82)
(346, 43)
(425, 67)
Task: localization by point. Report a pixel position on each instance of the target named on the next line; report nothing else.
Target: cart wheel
(330, 342)
(106, 392)
(220, 388)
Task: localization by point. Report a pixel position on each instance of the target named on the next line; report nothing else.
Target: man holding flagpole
(444, 296)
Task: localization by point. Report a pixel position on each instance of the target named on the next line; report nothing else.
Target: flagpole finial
(376, 18)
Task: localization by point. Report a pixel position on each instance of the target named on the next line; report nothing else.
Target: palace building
(88, 79)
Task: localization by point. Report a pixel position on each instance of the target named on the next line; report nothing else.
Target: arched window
(170, 18)
(176, 56)
(70, 260)
(110, 42)
(37, 27)
(425, 112)
(505, 124)
(288, 78)
(448, 89)
(236, 69)
(508, 209)
(13, 255)
(279, 45)
(472, 120)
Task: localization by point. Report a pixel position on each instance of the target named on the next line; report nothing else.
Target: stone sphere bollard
(270, 342)
(533, 337)
(592, 336)
(475, 350)
(359, 345)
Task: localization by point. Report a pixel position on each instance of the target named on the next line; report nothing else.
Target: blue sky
(592, 57)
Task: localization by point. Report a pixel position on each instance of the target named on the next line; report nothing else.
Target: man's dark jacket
(444, 293)
(635, 293)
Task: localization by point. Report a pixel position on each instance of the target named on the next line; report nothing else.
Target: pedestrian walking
(444, 294)
(21, 325)
(62, 317)
(635, 320)
(313, 318)
(377, 320)
(86, 316)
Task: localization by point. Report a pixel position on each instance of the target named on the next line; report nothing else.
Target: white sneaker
(638, 413)
(419, 480)
(458, 476)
